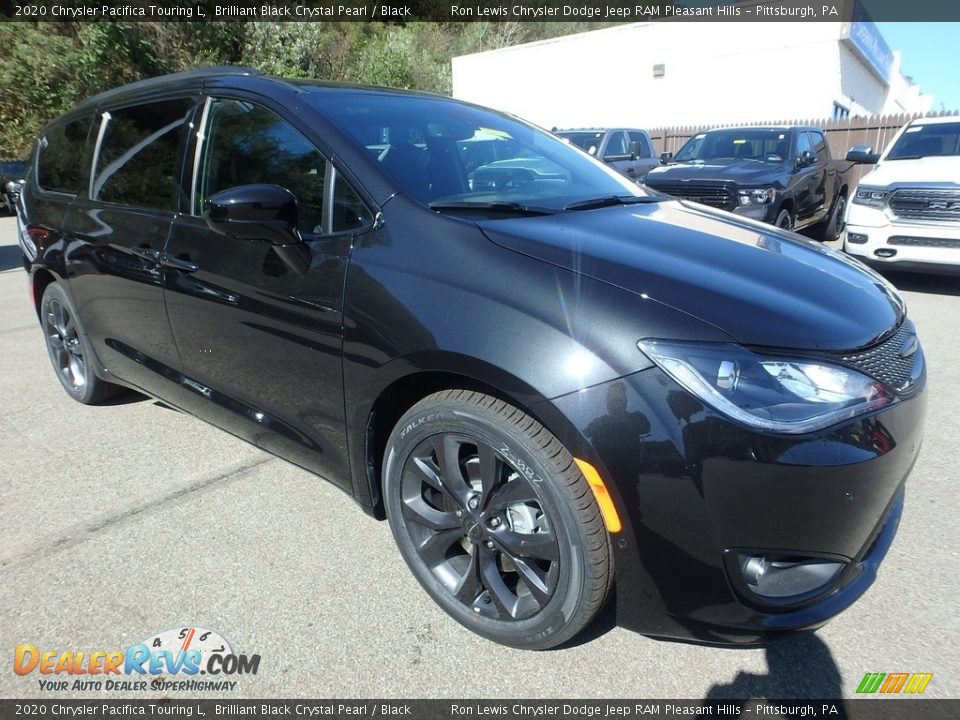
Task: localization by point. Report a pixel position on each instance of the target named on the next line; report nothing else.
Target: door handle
(176, 263)
(146, 254)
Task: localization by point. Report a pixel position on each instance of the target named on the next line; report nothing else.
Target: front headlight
(874, 197)
(768, 392)
(12, 186)
(756, 196)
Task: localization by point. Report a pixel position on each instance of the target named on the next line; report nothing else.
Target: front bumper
(692, 487)
(876, 238)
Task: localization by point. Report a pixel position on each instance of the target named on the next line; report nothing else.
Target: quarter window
(63, 159)
(138, 163)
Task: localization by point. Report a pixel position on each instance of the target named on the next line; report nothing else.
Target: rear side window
(139, 159)
(63, 158)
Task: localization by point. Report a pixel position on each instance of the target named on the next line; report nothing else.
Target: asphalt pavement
(121, 521)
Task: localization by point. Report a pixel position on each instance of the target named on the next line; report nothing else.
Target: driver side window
(246, 144)
(803, 144)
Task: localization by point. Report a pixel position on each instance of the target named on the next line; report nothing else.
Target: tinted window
(640, 138)
(248, 144)
(349, 211)
(589, 141)
(418, 143)
(138, 162)
(764, 144)
(926, 140)
(63, 157)
(803, 143)
(819, 146)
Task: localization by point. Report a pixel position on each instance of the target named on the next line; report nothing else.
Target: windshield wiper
(501, 207)
(610, 200)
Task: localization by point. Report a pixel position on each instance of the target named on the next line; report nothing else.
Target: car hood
(927, 170)
(761, 286)
(743, 172)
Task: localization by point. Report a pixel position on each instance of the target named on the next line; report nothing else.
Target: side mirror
(260, 212)
(666, 157)
(862, 155)
(806, 159)
(634, 149)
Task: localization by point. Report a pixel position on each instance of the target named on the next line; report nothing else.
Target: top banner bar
(395, 11)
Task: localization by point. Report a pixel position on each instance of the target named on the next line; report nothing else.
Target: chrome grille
(924, 241)
(926, 204)
(890, 361)
(717, 196)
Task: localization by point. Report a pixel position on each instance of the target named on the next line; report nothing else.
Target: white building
(688, 73)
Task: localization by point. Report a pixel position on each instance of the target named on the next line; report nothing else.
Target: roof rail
(200, 72)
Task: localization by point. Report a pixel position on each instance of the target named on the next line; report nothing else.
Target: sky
(931, 56)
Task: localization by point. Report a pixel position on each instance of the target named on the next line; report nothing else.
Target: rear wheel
(69, 349)
(494, 518)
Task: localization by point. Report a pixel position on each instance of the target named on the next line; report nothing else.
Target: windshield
(761, 144)
(449, 155)
(920, 141)
(589, 141)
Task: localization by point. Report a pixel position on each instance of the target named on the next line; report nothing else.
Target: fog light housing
(885, 252)
(856, 238)
(787, 579)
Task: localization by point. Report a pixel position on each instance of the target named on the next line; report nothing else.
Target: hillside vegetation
(45, 68)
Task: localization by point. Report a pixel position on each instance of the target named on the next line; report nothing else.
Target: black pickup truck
(779, 175)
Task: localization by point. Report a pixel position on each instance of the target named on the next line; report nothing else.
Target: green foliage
(46, 68)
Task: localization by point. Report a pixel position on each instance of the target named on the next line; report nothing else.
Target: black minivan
(555, 385)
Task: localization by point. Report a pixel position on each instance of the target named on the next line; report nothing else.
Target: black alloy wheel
(495, 520)
(69, 350)
(784, 220)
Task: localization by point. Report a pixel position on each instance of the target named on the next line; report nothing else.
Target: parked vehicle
(629, 150)
(551, 390)
(12, 174)
(905, 213)
(784, 176)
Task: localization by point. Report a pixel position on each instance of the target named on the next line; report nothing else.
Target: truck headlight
(756, 196)
(874, 197)
(775, 393)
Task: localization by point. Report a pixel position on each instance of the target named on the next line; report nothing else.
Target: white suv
(906, 212)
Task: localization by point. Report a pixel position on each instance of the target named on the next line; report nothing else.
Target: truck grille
(924, 242)
(717, 196)
(926, 204)
(891, 361)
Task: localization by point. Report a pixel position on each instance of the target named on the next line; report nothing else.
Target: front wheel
(495, 520)
(834, 226)
(784, 220)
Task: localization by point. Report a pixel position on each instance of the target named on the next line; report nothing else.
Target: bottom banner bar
(832, 709)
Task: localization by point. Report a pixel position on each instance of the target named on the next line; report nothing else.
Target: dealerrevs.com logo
(171, 660)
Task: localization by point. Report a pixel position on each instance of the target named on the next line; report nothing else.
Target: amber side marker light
(607, 509)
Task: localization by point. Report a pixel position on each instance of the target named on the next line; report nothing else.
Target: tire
(69, 350)
(834, 226)
(784, 220)
(495, 520)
